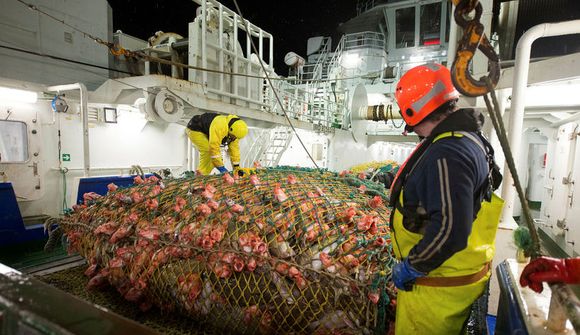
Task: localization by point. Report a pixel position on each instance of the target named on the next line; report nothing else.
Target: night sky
(291, 23)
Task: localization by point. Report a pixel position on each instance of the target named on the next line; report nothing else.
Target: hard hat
(238, 128)
(422, 90)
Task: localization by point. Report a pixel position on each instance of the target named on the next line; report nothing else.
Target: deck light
(15, 95)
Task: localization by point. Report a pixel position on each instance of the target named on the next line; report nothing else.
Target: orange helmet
(422, 90)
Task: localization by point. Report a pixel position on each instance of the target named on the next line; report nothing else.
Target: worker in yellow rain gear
(445, 214)
(209, 132)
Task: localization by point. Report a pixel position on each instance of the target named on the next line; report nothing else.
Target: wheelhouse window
(13, 141)
(430, 28)
(405, 27)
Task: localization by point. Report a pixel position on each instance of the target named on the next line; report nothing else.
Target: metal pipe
(150, 167)
(572, 118)
(522, 66)
(203, 43)
(84, 119)
(452, 47)
(180, 44)
(189, 154)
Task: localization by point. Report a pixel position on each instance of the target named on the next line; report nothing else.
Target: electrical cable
(272, 85)
(40, 54)
(392, 118)
(121, 51)
(118, 50)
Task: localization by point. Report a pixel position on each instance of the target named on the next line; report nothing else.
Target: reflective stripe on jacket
(440, 221)
(216, 128)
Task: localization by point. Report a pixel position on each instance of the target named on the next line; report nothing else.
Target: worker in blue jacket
(445, 213)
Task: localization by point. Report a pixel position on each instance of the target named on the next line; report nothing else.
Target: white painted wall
(26, 29)
(561, 151)
(344, 152)
(296, 156)
(113, 149)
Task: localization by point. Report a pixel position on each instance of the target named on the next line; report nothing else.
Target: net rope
(281, 251)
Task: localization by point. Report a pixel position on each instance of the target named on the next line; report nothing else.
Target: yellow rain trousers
(209, 148)
(444, 310)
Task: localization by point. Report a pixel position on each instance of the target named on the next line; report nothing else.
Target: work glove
(238, 171)
(404, 275)
(551, 270)
(222, 169)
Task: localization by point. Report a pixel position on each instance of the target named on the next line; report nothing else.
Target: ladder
(269, 147)
(279, 141)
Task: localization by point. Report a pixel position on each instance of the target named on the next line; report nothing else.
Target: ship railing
(315, 71)
(362, 40)
(310, 104)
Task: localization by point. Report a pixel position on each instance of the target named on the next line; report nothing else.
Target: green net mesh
(281, 251)
(383, 166)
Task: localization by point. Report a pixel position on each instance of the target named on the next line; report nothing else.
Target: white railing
(364, 40)
(214, 44)
(315, 71)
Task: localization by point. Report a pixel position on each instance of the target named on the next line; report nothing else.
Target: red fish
(217, 234)
(292, 179)
(379, 242)
(138, 180)
(149, 234)
(152, 204)
(136, 197)
(349, 214)
(155, 191)
(106, 228)
(203, 209)
(112, 187)
(362, 189)
(250, 313)
(152, 180)
(213, 205)
(238, 264)
(376, 202)
(210, 188)
(236, 208)
(254, 180)
(121, 233)
(374, 297)
(251, 264)
(207, 194)
(279, 193)
(228, 179)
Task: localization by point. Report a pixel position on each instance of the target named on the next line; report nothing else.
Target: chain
(473, 39)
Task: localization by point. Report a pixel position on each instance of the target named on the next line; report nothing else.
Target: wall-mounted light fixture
(15, 95)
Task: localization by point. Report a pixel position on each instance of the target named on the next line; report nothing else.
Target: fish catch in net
(280, 251)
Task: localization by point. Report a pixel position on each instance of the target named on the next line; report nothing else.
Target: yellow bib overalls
(439, 308)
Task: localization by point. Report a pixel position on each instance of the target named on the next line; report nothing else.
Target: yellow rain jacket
(208, 132)
(457, 269)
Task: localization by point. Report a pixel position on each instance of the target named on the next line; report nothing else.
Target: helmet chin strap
(232, 121)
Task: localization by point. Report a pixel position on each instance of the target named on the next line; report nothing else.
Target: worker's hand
(404, 275)
(222, 169)
(238, 171)
(550, 270)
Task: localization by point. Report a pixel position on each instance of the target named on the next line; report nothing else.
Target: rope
(182, 267)
(563, 294)
(272, 86)
(497, 121)
(117, 50)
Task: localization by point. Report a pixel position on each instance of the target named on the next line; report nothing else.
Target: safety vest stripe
(218, 156)
(446, 213)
